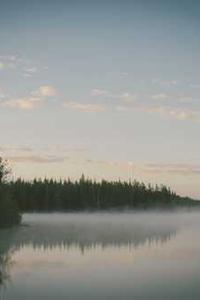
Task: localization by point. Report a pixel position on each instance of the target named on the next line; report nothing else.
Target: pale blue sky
(108, 88)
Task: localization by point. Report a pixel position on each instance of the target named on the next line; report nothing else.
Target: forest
(50, 195)
(85, 194)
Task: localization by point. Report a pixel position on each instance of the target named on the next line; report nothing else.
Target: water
(102, 256)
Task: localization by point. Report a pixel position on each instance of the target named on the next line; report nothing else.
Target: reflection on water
(4, 261)
(5, 256)
(89, 230)
(89, 256)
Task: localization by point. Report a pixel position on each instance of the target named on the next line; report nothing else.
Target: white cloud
(28, 103)
(98, 92)
(84, 107)
(32, 101)
(47, 91)
(28, 72)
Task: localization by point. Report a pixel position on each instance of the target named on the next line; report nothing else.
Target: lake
(124, 256)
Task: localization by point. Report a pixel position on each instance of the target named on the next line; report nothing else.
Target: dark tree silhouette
(4, 170)
(85, 194)
(9, 213)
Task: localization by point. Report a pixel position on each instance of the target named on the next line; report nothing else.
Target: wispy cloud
(62, 153)
(84, 107)
(153, 168)
(161, 96)
(179, 169)
(179, 97)
(128, 98)
(124, 96)
(176, 108)
(43, 150)
(15, 148)
(32, 101)
(23, 66)
(29, 154)
(172, 82)
(39, 159)
(9, 61)
(27, 103)
(173, 112)
(28, 72)
(98, 92)
(47, 91)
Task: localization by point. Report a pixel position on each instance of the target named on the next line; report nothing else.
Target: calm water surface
(102, 256)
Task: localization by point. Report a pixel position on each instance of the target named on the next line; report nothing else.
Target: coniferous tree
(9, 214)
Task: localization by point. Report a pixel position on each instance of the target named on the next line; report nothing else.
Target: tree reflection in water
(4, 263)
(6, 248)
(84, 231)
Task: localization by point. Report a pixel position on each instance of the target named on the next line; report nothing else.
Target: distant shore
(49, 195)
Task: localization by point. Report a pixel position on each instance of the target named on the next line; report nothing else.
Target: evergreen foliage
(85, 194)
(9, 213)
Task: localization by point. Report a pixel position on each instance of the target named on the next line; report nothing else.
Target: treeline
(85, 194)
(9, 212)
(65, 195)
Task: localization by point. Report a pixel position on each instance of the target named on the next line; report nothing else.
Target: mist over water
(130, 255)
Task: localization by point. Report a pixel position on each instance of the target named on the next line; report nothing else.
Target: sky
(110, 89)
